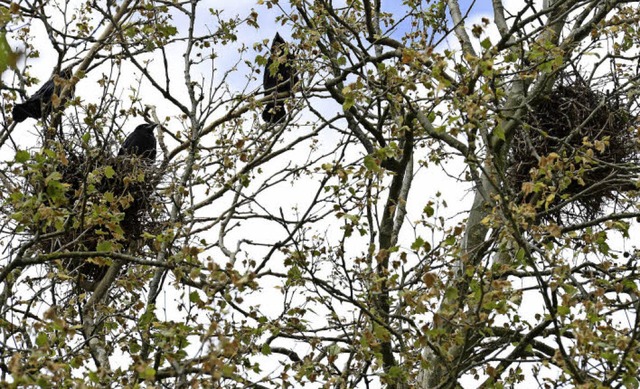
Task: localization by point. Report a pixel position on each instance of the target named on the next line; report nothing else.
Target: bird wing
(269, 80)
(126, 145)
(44, 93)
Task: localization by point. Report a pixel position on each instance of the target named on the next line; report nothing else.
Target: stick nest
(577, 150)
(106, 204)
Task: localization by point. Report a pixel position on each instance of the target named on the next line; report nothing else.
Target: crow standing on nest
(282, 79)
(38, 106)
(141, 142)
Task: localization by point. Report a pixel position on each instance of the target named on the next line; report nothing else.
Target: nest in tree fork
(109, 203)
(577, 149)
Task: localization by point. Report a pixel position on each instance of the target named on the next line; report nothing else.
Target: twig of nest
(576, 151)
(109, 202)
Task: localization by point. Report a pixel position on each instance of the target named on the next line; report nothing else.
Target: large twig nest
(577, 149)
(108, 203)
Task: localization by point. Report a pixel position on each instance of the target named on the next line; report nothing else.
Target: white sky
(428, 182)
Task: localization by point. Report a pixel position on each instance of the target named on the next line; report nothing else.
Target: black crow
(280, 81)
(38, 106)
(141, 142)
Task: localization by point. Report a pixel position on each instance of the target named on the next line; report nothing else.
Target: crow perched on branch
(278, 80)
(141, 142)
(38, 106)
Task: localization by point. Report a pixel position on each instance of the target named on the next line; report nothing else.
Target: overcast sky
(426, 185)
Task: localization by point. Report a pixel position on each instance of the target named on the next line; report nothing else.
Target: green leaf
(134, 347)
(395, 372)
(349, 100)
(16, 196)
(145, 319)
(432, 117)
(294, 273)
(22, 156)
(105, 245)
(93, 376)
(450, 240)
(511, 57)
(7, 57)
(55, 176)
(563, 310)
(630, 382)
(266, 349)
(109, 172)
(76, 362)
(428, 210)
(371, 164)
(419, 242)
(148, 373)
(381, 333)
(261, 60)
(194, 297)
(334, 349)
(326, 167)
(168, 30)
(485, 43)
(348, 103)
(451, 294)
(41, 339)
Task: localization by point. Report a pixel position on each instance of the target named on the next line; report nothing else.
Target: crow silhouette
(38, 106)
(141, 142)
(278, 80)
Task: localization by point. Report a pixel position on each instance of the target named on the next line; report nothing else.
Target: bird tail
(274, 112)
(20, 113)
